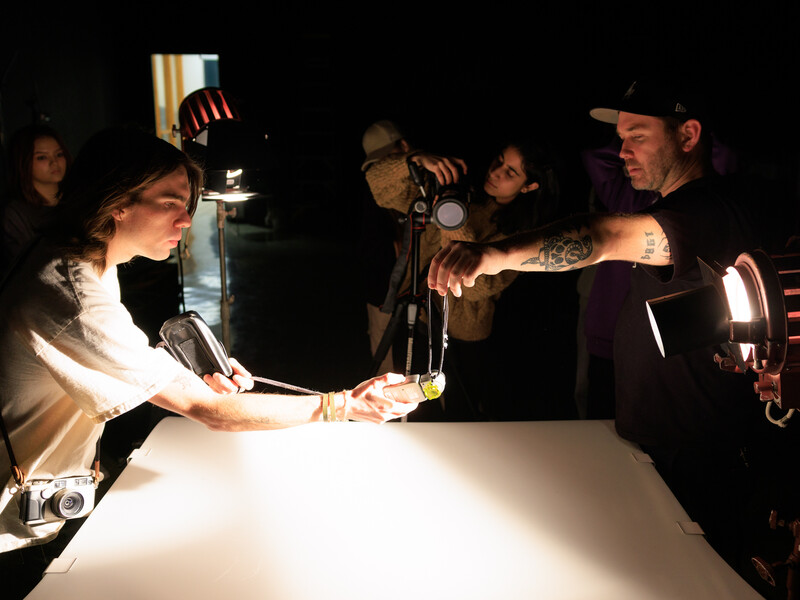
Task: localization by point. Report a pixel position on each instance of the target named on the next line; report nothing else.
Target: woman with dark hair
(522, 180)
(533, 337)
(520, 191)
(38, 161)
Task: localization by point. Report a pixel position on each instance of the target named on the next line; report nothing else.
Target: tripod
(407, 308)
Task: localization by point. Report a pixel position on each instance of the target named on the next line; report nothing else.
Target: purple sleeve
(613, 188)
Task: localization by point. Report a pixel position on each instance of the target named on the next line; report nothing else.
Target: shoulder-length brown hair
(20, 158)
(109, 173)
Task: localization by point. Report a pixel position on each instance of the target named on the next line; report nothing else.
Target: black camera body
(47, 500)
(449, 208)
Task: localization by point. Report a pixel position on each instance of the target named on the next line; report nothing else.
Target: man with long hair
(72, 357)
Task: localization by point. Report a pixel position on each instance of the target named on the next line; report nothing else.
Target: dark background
(314, 75)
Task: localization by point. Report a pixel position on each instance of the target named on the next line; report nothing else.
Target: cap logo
(630, 91)
(680, 108)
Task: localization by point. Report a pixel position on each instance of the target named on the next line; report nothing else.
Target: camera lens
(450, 214)
(67, 504)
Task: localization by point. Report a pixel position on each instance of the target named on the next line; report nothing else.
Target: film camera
(449, 208)
(43, 501)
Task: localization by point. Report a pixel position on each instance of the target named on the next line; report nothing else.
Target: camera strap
(445, 316)
(287, 386)
(18, 473)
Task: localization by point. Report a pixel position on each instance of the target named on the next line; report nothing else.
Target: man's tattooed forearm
(562, 250)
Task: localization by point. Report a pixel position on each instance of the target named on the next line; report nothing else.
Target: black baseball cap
(653, 97)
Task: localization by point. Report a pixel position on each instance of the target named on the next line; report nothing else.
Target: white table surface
(550, 510)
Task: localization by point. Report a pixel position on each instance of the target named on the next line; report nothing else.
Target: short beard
(664, 164)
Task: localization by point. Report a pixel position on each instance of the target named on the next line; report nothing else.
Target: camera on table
(47, 500)
(449, 208)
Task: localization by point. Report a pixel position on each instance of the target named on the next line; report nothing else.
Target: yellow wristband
(329, 407)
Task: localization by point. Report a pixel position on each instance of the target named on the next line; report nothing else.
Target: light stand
(753, 311)
(234, 192)
(213, 133)
(225, 300)
(769, 571)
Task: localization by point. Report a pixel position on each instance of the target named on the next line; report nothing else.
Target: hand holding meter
(417, 388)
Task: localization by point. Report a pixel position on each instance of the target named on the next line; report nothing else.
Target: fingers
(244, 383)
(438, 273)
(241, 376)
(368, 402)
(445, 169)
(239, 380)
(454, 266)
(238, 368)
(447, 172)
(220, 384)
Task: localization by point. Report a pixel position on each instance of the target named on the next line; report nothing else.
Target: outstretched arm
(213, 403)
(571, 243)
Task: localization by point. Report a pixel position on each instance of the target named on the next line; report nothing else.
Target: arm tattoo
(652, 247)
(562, 250)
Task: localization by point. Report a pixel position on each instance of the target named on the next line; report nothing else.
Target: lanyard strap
(445, 315)
(19, 475)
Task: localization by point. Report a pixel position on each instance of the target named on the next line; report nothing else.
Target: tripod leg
(388, 338)
(412, 313)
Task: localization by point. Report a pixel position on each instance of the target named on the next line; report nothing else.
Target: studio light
(752, 311)
(233, 157)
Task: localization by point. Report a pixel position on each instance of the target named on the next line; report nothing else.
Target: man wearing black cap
(700, 424)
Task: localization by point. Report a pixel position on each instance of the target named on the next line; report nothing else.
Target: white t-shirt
(71, 359)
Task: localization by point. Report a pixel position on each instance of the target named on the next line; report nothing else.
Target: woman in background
(485, 361)
(520, 192)
(38, 161)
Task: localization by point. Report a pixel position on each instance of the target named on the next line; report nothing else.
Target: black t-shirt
(688, 399)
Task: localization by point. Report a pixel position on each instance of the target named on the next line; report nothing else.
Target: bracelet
(329, 407)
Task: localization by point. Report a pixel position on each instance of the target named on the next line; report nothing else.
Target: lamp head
(749, 310)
